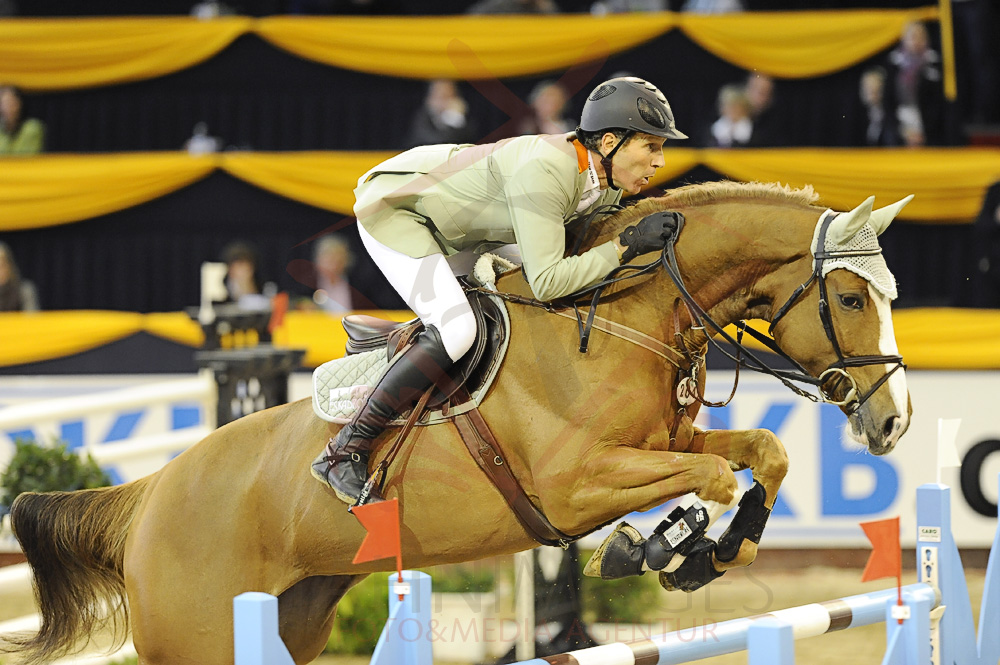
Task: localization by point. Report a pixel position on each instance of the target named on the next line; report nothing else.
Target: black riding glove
(649, 235)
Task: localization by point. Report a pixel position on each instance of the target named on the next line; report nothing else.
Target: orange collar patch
(582, 156)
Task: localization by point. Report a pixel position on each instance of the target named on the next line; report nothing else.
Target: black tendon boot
(343, 464)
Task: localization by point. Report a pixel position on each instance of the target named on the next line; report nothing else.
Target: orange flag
(381, 520)
(886, 559)
(279, 307)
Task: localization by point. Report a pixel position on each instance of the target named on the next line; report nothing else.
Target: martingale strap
(485, 450)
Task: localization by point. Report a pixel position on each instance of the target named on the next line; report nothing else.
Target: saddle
(469, 375)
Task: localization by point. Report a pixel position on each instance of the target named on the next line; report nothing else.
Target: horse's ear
(847, 224)
(880, 218)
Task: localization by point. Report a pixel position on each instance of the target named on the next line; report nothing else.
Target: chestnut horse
(587, 435)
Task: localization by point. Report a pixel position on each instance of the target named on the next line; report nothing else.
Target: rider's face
(636, 162)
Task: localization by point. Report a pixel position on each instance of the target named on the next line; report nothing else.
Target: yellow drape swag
(927, 338)
(57, 189)
(462, 47)
(56, 54)
(794, 45)
(52, 54)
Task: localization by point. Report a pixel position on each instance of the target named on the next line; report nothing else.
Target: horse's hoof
(696, 571)
(620, 555)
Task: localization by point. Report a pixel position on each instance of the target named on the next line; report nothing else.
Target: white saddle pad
(341, 386)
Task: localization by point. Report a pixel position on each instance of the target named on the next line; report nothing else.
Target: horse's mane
(706, 193)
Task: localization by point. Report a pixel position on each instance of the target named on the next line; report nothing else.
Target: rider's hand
(649, 235)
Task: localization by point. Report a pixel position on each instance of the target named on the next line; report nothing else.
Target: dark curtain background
(257, 97)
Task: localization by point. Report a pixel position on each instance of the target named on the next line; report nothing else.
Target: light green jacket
(29, 139)
(446, 198)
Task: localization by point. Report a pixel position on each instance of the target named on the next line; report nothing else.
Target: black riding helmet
(628, 103)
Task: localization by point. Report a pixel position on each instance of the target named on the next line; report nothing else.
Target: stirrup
(371, 492)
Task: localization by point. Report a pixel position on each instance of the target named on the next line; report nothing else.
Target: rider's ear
(608, 142)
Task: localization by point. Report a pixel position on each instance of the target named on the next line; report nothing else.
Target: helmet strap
(606, 160)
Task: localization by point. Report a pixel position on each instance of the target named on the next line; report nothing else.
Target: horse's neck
(730, 256)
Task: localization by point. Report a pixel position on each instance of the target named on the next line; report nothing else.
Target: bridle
(836, 372)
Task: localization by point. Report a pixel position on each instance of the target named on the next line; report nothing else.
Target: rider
(430, 201)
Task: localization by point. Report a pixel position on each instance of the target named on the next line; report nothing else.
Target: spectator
(513, 7)
(876, 126)
(333, 259)
(760, 95)
(444, 117)
(915, 88)
(734, 128)
(243, 283)
(200, 142)
(16, 294)
(976, 54)
(604, 7)
(712, 6)
(18, 135)
(548, 102)
(985, 288)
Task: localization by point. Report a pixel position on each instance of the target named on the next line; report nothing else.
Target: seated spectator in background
(877, 127)
(514, 7)
(200, 142)
(603, 7)
(734, 128)
(548, 102)
(444, 117)
(712, 6)
(915, 88)
(243, 283)
(760, 94)
(984, 288)
(16, 294)
(18, 135)
(333, 259)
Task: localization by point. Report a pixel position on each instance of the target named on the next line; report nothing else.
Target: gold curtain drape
(780, 44)
(322, 179)
(960, 339)
(57, 189)
(55, 54)
(462, 47)
(949, 183)
(61, 53)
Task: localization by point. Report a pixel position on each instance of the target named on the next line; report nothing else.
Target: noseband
(836, 372)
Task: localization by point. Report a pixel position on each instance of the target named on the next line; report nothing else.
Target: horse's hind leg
(760, 451)
(306, 611)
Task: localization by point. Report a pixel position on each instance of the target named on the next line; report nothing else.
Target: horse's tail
(75, 545)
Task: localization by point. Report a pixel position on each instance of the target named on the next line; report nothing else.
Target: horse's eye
(851, 302)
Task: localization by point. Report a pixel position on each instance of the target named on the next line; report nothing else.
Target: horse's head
(850, 345)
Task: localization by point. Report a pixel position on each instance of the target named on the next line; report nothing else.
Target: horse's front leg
(625, 480)
(619, 480)
(763, 453)
(678, 548)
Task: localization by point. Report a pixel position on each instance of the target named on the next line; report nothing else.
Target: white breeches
(431, 290)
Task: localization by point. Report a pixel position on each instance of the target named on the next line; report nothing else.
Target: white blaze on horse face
(887, 347)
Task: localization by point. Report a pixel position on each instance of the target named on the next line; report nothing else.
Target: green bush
(361, 614)
(622, 601)
(470, 577)
(38, 468)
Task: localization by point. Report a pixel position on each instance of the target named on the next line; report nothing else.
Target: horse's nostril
(890, 426)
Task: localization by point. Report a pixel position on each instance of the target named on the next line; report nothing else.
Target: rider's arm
(538, 195)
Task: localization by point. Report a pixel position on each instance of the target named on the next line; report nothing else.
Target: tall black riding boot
(343, 464)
